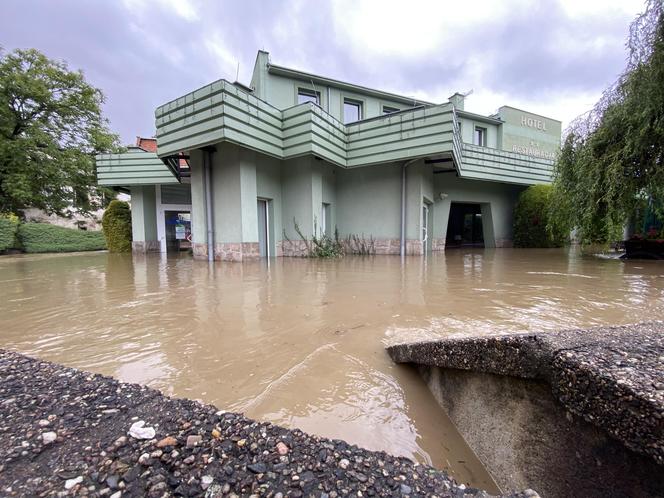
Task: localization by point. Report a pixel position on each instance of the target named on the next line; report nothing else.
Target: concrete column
(144, 219)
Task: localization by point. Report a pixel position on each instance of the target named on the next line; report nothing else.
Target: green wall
(143, 213)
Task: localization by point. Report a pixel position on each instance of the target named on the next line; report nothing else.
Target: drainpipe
(402, 248)
(207, 160)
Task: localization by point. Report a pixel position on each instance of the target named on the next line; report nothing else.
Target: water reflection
(300, 342)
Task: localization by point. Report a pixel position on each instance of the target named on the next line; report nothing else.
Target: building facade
(241, 166)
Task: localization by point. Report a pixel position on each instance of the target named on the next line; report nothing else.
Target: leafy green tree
(51, 127)
(613, 157)
(116, 225)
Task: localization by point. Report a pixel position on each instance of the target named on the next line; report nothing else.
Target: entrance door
(263, 223)
(465, 226)
(177, 230)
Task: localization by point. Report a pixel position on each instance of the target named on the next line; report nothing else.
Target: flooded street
(301, 342)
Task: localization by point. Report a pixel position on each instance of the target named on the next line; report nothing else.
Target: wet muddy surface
(301, 342)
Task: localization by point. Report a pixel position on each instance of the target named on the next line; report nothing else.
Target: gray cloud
(142, 59)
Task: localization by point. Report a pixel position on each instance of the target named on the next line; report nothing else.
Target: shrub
(116, 225)
(8, 228)
(42, 237)
(532, 226)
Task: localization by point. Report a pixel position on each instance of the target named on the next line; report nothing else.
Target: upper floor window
(389, 110)
(480, 136)
(352, 110)
(306, 95)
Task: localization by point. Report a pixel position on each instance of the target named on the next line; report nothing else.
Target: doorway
(263, 228)
(177, 230)
(465, 228)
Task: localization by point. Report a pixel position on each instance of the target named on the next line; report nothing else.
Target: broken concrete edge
(613, 377)
(68, 431)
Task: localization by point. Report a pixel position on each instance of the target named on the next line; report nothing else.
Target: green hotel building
(239, 166)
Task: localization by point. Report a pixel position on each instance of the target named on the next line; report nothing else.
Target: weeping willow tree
(612, 160)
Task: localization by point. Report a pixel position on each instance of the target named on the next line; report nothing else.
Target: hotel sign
(538, 124)
(529, 134)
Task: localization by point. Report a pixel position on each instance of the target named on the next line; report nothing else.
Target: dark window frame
(480, 136)
(354, 103)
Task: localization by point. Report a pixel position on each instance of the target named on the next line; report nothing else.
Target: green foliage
(613, 158)
(8, 229)
(532, 227)
(51, 127)
(322, 246)
(42, 237)
(116, 225)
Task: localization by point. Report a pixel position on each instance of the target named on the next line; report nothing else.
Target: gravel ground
(613, 377)
(64, 432)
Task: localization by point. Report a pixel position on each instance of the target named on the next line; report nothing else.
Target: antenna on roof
(315, 92)
(237, 74)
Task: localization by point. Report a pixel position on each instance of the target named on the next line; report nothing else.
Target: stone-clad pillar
(234, 203)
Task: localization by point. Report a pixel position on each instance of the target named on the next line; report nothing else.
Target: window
(352, 110)
(389, 110)
(480, 136)
(306, 95)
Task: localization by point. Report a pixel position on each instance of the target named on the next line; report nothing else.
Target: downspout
(402, 247)
(207, 159)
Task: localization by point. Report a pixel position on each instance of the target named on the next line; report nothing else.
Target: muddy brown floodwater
(301, 342)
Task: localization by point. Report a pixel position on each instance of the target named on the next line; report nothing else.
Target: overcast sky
(549, 57)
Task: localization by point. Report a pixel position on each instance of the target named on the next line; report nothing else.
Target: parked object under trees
(613, 156)
(51, 127)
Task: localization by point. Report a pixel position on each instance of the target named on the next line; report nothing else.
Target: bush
(8, 229)
(116, 225)
(41, 237)
(532, 223)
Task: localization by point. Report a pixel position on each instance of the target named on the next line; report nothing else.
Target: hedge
(42, 237)
(116, 226)
(8, 229)
(531, 219)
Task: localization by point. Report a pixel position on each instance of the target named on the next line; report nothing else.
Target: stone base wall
(438, 244)
(199, 250)
(292, 248)
(236, 251)
(228, 251)
(143, 246)
(241, 251)
(414, 247)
